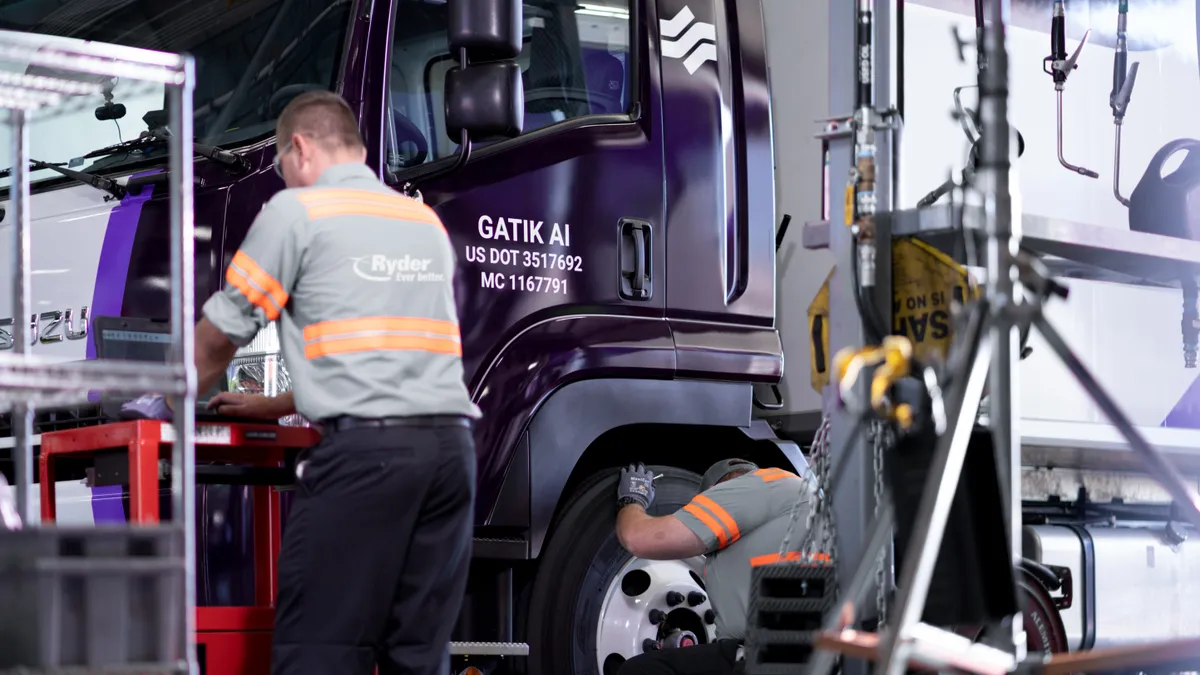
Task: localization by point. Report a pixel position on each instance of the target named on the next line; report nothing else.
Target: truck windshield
(252, 57)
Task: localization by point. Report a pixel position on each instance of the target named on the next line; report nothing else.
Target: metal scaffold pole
(22, 414)
(1002, 229)
(31, 631)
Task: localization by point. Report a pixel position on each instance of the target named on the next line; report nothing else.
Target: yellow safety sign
(924, 283)
(818, 331)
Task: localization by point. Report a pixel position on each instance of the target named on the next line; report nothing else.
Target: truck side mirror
(485, 100)
(490, 30)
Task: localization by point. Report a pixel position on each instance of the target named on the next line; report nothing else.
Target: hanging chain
(881, 439)
(820, 523)
(828, 525)
(820, 513)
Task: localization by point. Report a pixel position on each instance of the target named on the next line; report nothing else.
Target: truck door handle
(637, 251)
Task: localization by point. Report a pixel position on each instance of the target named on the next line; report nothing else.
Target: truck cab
(615, 279)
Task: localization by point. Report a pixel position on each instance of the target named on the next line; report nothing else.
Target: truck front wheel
(592, 603)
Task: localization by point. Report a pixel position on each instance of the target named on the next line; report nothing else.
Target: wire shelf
(41, 76)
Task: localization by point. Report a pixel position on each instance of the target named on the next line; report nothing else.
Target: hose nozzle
(1118, 100)
(1059, 65)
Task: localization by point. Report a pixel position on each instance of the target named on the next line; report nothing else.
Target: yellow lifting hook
(892, 361)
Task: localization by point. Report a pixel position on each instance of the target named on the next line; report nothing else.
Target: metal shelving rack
(25, 380)
(1088, 251)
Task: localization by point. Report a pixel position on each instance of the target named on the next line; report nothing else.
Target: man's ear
(302, 147)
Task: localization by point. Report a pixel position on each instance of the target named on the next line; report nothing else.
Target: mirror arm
(464, 147)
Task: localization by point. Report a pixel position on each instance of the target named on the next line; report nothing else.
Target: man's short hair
(322, 116)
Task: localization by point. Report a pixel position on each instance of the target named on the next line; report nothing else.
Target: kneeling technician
(737, 522)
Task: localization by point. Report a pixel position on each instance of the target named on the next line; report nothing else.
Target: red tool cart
(233, 640)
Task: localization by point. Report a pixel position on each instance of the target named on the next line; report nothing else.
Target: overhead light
(602, 10)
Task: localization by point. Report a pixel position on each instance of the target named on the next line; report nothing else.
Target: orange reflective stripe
(339, 202)
(262, 286)
(722, 538)
(382, 342)
(397, 324)
(395, 333)
(769, 475)
(793, 556)
(721, 514)
(255, 296)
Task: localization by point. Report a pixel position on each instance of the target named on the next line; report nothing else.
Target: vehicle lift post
(26, 382)
(854, 504)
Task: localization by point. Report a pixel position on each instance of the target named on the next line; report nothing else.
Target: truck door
(535, 220)
(719, 177)
(550, 227)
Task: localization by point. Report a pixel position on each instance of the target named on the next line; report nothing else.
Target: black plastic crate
(96, 597)
(788, 601)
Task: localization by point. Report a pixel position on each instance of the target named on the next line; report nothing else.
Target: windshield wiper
(99, 182)
(161, 135)
(5, 173)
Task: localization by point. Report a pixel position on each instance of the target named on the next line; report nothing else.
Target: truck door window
(224, 37)
(575, 63)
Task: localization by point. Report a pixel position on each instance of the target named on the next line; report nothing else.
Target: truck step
(489, 649)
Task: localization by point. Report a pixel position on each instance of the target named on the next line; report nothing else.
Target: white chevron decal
(705, 52)
(697, 33)
(672, 28)
(697, 43)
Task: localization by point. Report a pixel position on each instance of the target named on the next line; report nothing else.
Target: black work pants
(717, 658)
(375, 554)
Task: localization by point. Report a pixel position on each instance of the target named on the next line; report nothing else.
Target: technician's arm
(214, 351)
(656, 537)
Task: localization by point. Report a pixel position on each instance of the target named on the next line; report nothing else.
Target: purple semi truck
(616, 277)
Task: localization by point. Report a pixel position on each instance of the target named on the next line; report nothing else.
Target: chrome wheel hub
(642, 597)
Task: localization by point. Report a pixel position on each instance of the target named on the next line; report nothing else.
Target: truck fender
(760, 430)
(571, 419)
(575, 415)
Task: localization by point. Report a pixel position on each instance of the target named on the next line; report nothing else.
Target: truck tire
(1044, 629)
(579, 567)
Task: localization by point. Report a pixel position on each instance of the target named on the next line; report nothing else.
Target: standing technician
(738, 522)
(375, 556)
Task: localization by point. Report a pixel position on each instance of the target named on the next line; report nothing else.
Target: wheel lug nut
(649, 645)
(696, 598)
(657, 616)
(710, 617)
(674, 598)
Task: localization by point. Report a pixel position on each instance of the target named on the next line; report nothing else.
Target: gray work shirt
(360, 279)
(742, 523)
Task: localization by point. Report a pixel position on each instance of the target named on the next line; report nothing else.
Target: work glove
(148, 407)
(636, 486)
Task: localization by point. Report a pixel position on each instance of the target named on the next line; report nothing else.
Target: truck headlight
(258, 368)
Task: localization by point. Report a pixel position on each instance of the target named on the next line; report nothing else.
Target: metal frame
(985, 353)
(27, 380)
(854, 503)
